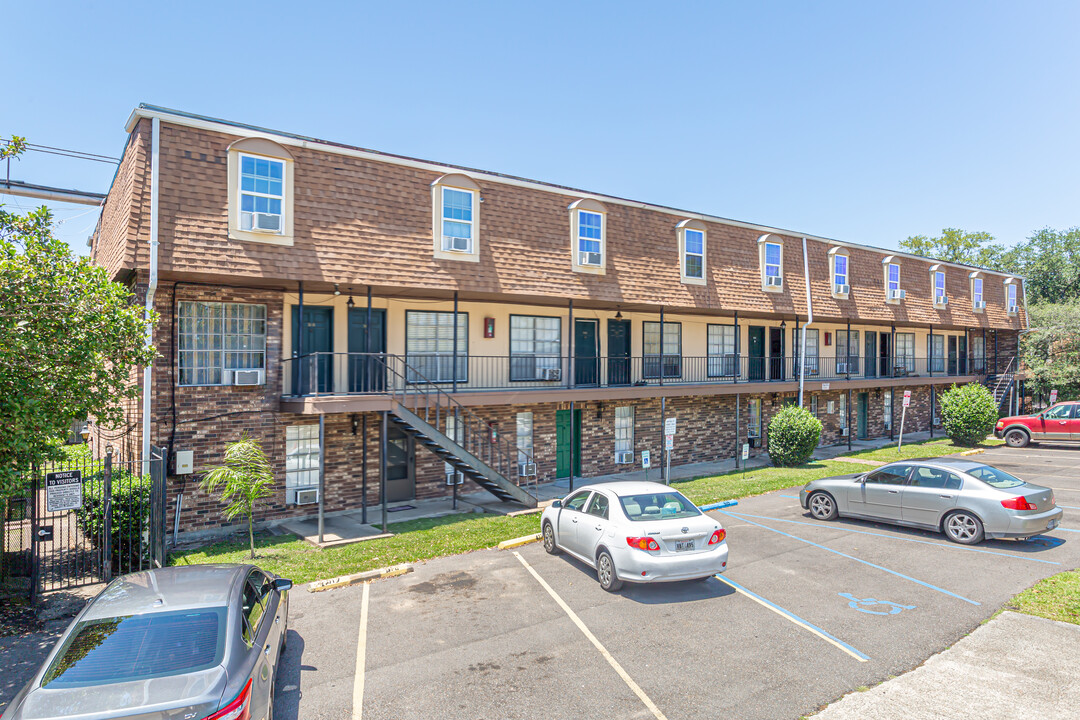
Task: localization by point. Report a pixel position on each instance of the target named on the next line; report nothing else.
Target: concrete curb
(519, 541)
(717, 506)
(973, 452)
(346, 580)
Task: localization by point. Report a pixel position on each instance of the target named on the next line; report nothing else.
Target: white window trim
(981, 295)
(615, 429)
(575, 236)
(461, 183)
(524, 453)
(693, 226)
(833, 254)
(1011, 284)
(939, 302)
(887, 264)
(223, 350)
(285, 235)
(307, 436)
(763, 242)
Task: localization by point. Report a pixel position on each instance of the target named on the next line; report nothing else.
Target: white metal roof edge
(207, 123)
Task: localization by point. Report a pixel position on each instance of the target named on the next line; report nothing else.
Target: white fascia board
(281, 138)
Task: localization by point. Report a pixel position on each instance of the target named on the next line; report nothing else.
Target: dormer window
(839, 263)
(893, 293)
(692, 251)
(937, 287)
(260, 192)
(1010, 297)
(262, 183)
(978, 304)
(588, 236)
(771, 259)
(455, 213)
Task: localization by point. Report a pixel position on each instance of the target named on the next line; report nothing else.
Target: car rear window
(137, 647)
(658, 506)
(994, 477)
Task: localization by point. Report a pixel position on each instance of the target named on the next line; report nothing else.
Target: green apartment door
(618, 342)
(313, 372)
(562, 443)
(864, 411)
(366, 371)
(756, 352)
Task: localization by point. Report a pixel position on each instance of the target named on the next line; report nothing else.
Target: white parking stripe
(592, 638)
(361, 654)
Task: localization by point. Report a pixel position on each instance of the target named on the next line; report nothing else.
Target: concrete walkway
(1014, 667)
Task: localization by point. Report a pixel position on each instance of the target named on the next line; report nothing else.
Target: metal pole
(369, 367)
(382, 465)
(984, 349)
(571, 471)
(322, 472)
(299, 342)
(35, 562)
(892, 412)
(930, 362)
(996, 352)
(363, 473)
(933, 397)
(848, 410)
(453, 370)
(738, 360)
(847, 366)
(106, 540)
(738, 448)
(662, 346)
(663, 408)
(570, 367)
(892, 352)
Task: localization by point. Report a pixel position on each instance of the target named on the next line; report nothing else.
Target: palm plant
(244, 479)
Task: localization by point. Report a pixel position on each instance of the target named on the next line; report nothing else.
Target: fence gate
(94, 519)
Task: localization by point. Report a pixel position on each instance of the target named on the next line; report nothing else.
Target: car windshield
(658, 506)
(138, 647)
(994, 477)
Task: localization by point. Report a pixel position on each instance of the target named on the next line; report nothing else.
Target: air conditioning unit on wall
(301, 496)
(842, 289)
(527, 469)
(588, 258)
(843, 432)
(252, 376)
(456, 244)
(455, 478)
(624, 457)
(1013, 309)
(550, 373)
(774, 281)
(897, 294)
(980, 305)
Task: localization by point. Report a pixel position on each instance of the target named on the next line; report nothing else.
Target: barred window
(429, 346)
(214, 337)
(535, 347)
(624, 429)
(301, 456)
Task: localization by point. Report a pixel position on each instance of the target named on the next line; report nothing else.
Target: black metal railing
(367, 373)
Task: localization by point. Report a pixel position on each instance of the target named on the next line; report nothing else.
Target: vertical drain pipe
(809, 319)
(151, 286)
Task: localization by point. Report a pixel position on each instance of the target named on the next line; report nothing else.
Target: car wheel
(549, 540)
(822, 506)
(1017, 438)
(964, 528)
(605, 573)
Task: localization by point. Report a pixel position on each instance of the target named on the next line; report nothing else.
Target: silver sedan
(966, 500)
(636, 532)
(200, 641)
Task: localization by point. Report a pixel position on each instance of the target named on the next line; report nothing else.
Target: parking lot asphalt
(807, 612)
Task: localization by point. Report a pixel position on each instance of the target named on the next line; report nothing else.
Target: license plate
(1051, 525)
(683, 545)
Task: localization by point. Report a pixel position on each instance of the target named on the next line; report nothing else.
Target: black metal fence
(84, 521)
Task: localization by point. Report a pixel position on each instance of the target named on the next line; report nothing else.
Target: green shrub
(794, 434)
(130, 516)
(968, 413)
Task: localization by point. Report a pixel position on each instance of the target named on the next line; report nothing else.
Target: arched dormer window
(260, 176)
(455, 213)
(692, 235)
(840, 272)
(1011, 305)
(894, 294)
(937, 286)
(771, 262)
(978, 300)
(588, 236)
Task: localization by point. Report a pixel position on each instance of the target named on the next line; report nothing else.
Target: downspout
(151, 286)
(809, 319)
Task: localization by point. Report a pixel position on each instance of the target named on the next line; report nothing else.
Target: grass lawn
(1056, 597)
(921, 449)
(756, 481)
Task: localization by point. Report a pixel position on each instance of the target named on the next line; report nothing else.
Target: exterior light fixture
(350, 302)
(783, 324)
(618, 314)
(336, 291)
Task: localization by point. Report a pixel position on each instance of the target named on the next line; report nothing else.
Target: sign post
(63, 491)
(903, 414)
(646, 462)
(1053, 396)
(669, 444)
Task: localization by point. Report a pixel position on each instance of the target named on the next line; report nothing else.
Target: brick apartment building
(426, 320)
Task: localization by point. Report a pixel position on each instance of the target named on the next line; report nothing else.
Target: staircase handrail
(1005, 378)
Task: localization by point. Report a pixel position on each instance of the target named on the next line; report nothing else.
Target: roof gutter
(151, 286)
(809, 319)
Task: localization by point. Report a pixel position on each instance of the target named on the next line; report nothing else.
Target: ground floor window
(454, 432)
(216, 338)
(524, 437)
(301, 456)
(429, 346)
(886, 408)
(814, 405)
(843, 412)
(624, 434)
(753, 429)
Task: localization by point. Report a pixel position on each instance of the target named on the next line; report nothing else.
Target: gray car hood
(191, 695)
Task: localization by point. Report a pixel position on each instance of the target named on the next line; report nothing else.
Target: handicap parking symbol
(864, 605)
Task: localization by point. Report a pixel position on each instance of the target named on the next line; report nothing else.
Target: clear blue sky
(863, 121)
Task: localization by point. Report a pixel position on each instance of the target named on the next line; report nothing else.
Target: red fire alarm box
(828, 339)
(489, 327)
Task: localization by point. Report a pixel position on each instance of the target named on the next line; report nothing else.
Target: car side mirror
(282, 584)
(556, 503)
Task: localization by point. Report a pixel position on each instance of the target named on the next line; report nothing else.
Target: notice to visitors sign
(63, 490)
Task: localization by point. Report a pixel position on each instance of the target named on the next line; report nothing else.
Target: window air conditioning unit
(455, 478)
(526, 469)
(456, 244)
(301, 496)
(942, 300)
(624, 457)
(774, 281)
(588, 258)
(753, 442)
(253, 376)
(842, 368)
(842, 289)
(266, 222)
(843, 432)
(550, 373)
(897, 294)
(980, 305)
(1013, 309)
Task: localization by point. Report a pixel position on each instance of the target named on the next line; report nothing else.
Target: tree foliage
(69, 340)
(794, 434)
(244, 479)
(968, 413)
(1051, 351)
(968, 248)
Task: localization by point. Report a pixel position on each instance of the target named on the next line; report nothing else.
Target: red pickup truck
(1057, 423)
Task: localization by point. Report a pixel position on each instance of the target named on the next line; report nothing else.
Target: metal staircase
(459, 437)
(1000, 384)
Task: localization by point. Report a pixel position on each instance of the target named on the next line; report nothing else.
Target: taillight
(642, 543)
(238, 709)
(718, 537)
(1017, 503)
(1001, 424)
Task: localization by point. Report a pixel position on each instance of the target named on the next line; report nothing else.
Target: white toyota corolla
(635, 532)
